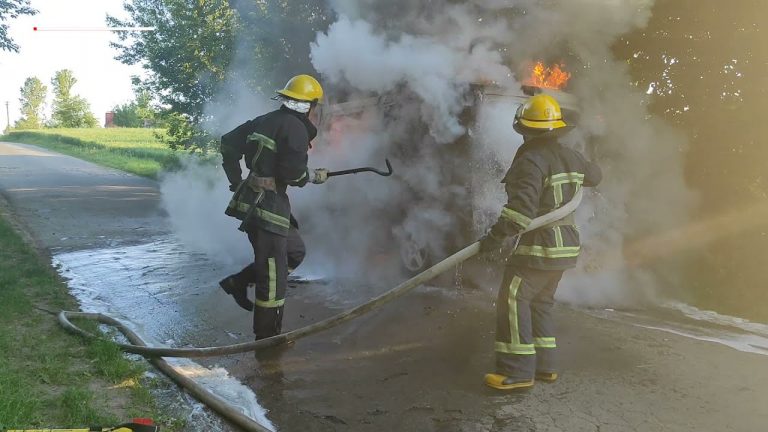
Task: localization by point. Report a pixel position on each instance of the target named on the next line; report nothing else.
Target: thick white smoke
(235, 102)
(427, 75)
(435, 50)
(643, 191)
(352, 53)
(423, 61)
(195, 198)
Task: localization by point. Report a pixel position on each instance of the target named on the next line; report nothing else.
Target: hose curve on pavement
(137, 345)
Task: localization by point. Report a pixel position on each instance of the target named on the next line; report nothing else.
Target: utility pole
(7, 117)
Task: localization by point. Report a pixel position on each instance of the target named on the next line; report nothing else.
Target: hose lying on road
(137, 346)
(398, 291)
(199, 392)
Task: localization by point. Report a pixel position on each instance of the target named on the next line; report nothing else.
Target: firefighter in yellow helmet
(275, 147)
(544, 175)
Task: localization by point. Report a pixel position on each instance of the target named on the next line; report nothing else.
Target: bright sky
(101, 79)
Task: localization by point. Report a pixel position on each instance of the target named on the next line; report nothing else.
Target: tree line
(198, 46)
(69, 110)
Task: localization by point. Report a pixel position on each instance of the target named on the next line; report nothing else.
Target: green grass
(107, 361)
(137, 151)
(79, 407)
(48, 377)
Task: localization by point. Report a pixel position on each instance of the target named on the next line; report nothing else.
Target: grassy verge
(136, 151)
(49, 378)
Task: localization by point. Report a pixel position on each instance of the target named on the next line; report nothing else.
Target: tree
(274, 39)
(126, 115)
(32, 100)
(10, 9)
(188, 53)
(709, 80)
(198, 46)
(69, 110)
(186, 58)
(137, 113)
(144, 109)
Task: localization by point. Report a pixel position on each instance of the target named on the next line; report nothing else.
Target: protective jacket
(544, 175)
(275, 148)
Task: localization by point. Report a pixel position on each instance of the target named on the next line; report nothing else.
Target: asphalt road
(414, 365)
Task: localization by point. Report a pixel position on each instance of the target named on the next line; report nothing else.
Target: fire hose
(154, 354)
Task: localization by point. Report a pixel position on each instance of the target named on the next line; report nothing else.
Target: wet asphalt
(414, 365)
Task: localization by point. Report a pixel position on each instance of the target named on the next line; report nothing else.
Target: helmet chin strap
(294, 105)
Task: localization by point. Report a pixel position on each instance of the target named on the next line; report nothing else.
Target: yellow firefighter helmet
(303, 88)
(539, 114)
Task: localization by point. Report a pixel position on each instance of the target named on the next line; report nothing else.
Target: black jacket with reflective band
(543, 177)
(275, 147)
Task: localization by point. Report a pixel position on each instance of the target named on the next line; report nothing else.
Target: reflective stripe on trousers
(511, 341)
(296, 253)
(525, 340)
(271, 301)
(271, 279)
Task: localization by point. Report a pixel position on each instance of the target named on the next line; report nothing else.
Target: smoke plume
(410, 71)
(429, 53)
(195, 198)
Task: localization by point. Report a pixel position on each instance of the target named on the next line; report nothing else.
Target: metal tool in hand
(364, 169)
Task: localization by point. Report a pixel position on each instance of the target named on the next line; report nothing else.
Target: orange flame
(553, 77)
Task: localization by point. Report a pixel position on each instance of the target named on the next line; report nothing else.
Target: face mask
(298, 106)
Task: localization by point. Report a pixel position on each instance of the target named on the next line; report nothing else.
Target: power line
(7, 117)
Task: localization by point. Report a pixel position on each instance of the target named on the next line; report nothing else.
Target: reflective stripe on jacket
(275, 149)
(544, 176)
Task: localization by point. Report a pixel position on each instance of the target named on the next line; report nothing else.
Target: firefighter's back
(564, 171)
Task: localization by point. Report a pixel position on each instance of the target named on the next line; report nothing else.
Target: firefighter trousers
(269, 273)
(525, 340)
(296, 253)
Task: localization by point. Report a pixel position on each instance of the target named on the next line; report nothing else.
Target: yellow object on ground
(122, 429)
(497, 381)
(546, 376)
(132, 427)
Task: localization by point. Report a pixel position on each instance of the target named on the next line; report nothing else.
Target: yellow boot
(549, 377)
(501, 382)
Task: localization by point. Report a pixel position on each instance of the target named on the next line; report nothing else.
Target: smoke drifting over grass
(422, 58)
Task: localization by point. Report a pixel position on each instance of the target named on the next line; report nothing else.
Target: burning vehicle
(465, 166)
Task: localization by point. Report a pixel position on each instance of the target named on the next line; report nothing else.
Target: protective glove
(233, 187)
(321, 176)
(491, 246)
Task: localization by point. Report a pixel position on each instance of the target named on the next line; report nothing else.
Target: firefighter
(275, 148)
(237, 284)
(544, 175)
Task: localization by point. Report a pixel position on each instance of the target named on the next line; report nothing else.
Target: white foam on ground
(218, 381)
(744, 343)
(94, 276)
(688, 321)
(716, 318)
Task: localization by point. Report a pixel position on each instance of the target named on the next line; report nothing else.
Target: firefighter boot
(549, 377)
(237, 291)
(501, 382)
